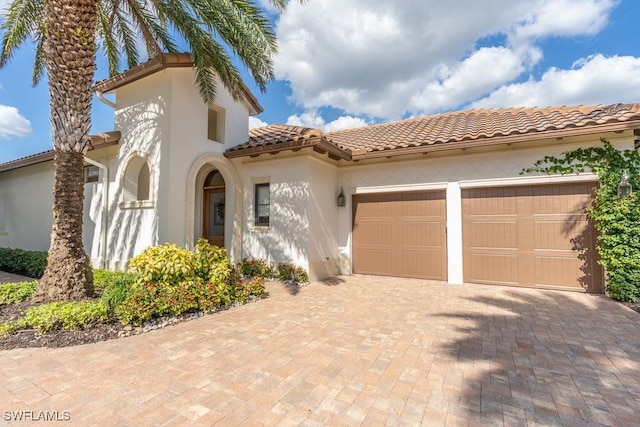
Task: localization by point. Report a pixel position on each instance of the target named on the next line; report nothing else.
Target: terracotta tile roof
(454, 130)
(97, 141)
(477, 125)
(275, 138)
(277, 134)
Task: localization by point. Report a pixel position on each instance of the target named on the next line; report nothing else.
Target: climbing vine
(617, 220)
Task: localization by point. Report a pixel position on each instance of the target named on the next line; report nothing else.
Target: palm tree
(67, 33)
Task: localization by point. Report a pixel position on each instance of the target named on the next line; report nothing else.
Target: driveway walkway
(363, 350)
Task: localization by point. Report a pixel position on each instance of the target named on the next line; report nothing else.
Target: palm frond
(38, 64)
(22, 20)
(107, 37)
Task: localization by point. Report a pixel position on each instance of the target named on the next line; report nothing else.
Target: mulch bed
(25, 338)
(635, 306)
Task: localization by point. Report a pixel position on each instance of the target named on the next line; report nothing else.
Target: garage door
(400, 234)
(536, 236)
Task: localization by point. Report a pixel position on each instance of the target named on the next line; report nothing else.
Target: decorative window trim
(137, 204)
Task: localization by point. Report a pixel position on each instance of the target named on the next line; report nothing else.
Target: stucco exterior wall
(323, 219)
(187, 143)
(451, 172)
(25, 213)
(26, 199)
(287, 237)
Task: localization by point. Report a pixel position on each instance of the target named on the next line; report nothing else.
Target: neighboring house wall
(26, 200)
(493, 167)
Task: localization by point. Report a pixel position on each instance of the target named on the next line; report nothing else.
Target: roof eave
(159, 63)
(320, 145)
(497, 140)
(97, 141)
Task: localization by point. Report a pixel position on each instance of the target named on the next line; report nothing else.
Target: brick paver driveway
(364, 350)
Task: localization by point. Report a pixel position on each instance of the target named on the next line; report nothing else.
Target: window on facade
(91, 173)
(215, 124)
(262, 204)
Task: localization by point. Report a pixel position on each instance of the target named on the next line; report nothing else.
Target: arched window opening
(137, 183)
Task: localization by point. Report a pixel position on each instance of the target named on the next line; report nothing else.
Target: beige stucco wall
(25, 212)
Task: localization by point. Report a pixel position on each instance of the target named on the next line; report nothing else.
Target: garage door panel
(425, 264)
(379, 261)
(491, 233)
(414, 236)
(494, 268)
(549, 235)
(558, 234)
(422, 233)
(555, 270)
(374, 232)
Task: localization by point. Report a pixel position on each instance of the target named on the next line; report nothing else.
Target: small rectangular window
(91, 173)
(215, 124)
(262, 205)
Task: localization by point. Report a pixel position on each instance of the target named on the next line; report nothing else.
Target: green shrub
(26, 263)
(169, 263)
(291, 272)
(255, 267)
(7, 328)
(212, 262)
(103, 278)
(117, 289)
(244, 290)
(16, 292)
(64, 315)
(166, 263)
(150, 300)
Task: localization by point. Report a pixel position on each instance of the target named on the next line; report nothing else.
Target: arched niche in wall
(136, 183)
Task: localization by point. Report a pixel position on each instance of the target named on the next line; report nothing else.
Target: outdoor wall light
(341, 200)
(624, 186)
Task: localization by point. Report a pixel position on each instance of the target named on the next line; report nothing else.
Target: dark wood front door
(213, 209)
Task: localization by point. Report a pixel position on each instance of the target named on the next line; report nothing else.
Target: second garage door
(536, 236)
(400, 234)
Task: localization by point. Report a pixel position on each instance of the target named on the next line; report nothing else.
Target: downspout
(105, 210)
(105, 192)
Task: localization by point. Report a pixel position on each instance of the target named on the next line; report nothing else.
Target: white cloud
(594, 80)
(314, 120)
(482, 72)
(389, 59)
(566, 18)
(255, 122)
(12, 124)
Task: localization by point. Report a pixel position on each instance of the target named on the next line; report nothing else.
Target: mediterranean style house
(438, 197)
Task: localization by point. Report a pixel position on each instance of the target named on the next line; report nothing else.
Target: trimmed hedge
(25, 263)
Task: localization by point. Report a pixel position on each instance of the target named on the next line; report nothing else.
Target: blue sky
(345, 64)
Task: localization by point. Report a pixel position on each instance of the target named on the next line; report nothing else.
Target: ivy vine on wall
(617, 220)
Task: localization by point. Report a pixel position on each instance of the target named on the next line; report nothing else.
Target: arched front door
(213, 209)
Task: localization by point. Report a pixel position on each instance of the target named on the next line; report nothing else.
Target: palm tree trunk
(69, 54)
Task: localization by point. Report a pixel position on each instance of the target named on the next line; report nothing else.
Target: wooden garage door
(537, 236)
(400, 234)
